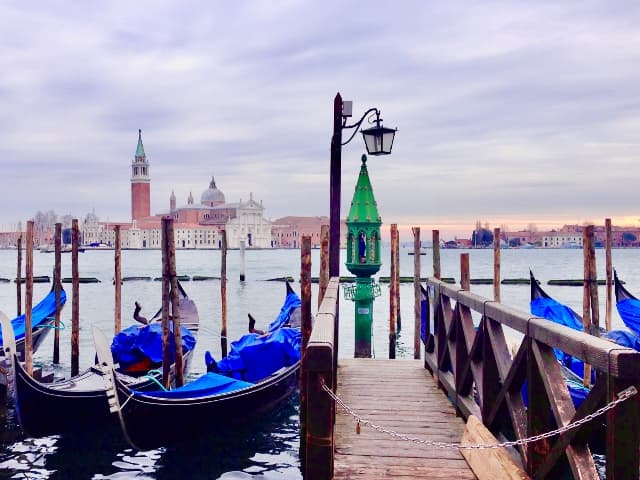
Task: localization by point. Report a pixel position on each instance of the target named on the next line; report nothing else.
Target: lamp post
(378, 141)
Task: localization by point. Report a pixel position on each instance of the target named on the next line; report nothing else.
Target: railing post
(623, 435)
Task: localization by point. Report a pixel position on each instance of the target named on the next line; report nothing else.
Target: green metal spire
(140, 149)
(363, 206)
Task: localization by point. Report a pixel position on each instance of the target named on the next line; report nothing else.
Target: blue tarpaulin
(291, 302)
(208, 384)
(39, 314)
(135, 344)
(556, 312)
(629, 310)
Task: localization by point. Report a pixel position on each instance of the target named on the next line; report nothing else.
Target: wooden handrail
(472, 362)
(318, 364)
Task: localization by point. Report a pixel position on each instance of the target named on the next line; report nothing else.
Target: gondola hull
(150, 422)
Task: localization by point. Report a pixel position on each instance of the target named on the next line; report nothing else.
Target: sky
(511, 113)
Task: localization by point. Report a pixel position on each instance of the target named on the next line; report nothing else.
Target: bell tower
(140, 183)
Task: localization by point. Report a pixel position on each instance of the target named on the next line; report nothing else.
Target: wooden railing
(319, 366)
(473, 364)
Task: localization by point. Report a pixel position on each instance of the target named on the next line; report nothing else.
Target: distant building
(286, 232)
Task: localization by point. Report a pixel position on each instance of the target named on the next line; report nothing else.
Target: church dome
(212, 196)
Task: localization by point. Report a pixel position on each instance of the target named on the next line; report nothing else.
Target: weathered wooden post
(417, 295)
(75, 299)
(223, 294)
(464, 271)
(397, 280)
(166, 285)
(19, 276)
(392, 293)
(242, 260)
(57, 281)
(436, 253)
(593, 288)
(609, 269)
(117, 279)
(305, 313)
(323, 280)
(587, 238)
(175, 304)
(496, 264)
(28, 301)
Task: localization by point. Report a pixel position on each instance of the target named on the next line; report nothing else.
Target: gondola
(41, 321)
(628, 305)
(80, 401)
(259, 374)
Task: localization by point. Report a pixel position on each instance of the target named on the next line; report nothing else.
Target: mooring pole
(117, 279)
(57, 282)
(593, 288)
(175, 304)
(166, 285)
(609, 267)
(19, 276)
(28, 301)
(464, 271)
(417, 295)
(323, 281)
(496, 264)
(75, 299)
(436, 253)
(397, 280)
(392, 293)
(306, 327)
(587, 237)
(223, 294)
(242, 260)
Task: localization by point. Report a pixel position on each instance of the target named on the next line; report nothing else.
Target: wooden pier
(399, 395)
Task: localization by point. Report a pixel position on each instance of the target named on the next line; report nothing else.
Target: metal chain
(622, 396)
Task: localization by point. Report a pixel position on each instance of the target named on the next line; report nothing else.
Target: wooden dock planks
(402, 396)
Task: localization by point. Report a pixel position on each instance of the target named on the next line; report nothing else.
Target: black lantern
(378, 139)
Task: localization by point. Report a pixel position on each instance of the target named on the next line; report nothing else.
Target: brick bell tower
(140, 183)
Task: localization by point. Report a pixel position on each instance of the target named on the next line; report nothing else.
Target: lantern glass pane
(387, 140)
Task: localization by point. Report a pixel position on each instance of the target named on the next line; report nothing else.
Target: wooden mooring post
(323, 280)
(57, 283)
(435, 245)
(496, 264)
(19, 277)
(397, 280)
(417, 295)
(223, 294)
(175, 304)
(75, 299)
(28, 301)
(306, 328)
(587, 240)
(166, 286)
(392, 293)
(242, 253)
(609, 270)
(117, 280)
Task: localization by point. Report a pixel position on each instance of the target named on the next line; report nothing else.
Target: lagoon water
(269, 449)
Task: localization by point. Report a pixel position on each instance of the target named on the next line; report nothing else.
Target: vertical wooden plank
(57, 268)
(538, 413)
(242, 276)
(587, 237)
(397, 280)
(324, 263)
(392, 293)
(75, 300)
(19, 277)
(117, 279)
(609, 267)
(305, 313)
(496, 264)
(28, 301)
(417, 295)
(622, 438)
(166, 351)
(436, 253)
(464, 271)
(175, 304)
(223, 294)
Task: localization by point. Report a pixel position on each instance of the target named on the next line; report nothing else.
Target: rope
(622, 396)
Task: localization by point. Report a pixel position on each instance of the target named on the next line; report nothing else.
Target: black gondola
(81, 401)
(42, 320)
(628, 305)
(215, 401)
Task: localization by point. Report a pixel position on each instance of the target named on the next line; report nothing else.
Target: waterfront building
(286, 232)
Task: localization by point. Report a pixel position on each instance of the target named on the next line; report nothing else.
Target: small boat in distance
(258, 375)
(80, 402)
(64, 249)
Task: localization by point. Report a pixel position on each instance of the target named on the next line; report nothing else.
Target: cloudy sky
(507, 112)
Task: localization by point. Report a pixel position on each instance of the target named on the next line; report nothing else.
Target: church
(196, 225)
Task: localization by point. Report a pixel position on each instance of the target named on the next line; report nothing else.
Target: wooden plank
(405, 399)
(488, 464)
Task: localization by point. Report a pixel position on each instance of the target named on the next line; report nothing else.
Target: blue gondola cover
(39, 314)
(629, 310)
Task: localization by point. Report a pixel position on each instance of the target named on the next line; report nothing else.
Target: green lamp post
(363, 258)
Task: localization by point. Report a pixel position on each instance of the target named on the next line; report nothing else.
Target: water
(269, 450)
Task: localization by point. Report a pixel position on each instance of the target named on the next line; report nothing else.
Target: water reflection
(266, 450)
